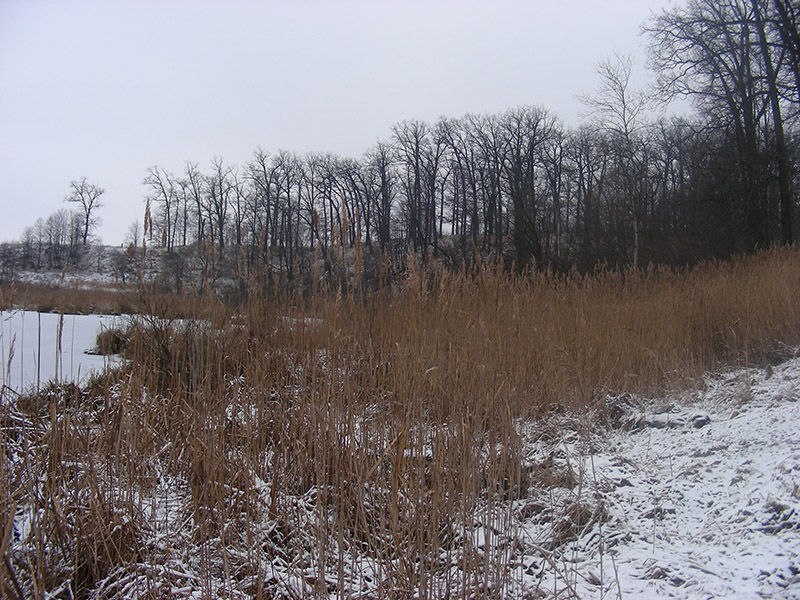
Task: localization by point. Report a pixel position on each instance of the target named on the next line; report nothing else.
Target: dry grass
(119, 299)
(348, 446)
(68, 299)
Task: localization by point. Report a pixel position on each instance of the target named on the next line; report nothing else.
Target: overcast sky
(106, 89)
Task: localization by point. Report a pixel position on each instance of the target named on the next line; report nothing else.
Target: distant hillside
(91, 266)
(227, 272)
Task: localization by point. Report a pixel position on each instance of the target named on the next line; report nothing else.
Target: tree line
(59, 239)
(624, 188)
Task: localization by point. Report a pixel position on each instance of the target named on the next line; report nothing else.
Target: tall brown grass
(350, 446)
(67, 299)
(119, 299)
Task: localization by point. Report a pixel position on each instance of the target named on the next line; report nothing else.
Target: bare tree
(263, 202)
(465, 179)
(194, 182)
(787, 20)
(87, 196)
(134, 235)
(379, 163)
(410, 138)
(486, 134)
(219, 186)
(771, 67)
(57, 230)
(723, 56)
(525, 129)
(34, 243)
(617, 109)
(589, 164)
(163, 193)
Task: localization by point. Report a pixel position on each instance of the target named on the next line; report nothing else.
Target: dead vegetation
(352, 445)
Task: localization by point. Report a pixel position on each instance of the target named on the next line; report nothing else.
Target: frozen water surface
(39, 347)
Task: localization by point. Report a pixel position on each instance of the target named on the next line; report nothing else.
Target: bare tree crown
(87, 196)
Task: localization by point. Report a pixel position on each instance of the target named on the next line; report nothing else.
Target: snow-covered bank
(37, 347)
(698, 498)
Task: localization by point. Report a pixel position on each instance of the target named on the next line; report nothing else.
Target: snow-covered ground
(38, 347)
(692, 498)
(98, 267)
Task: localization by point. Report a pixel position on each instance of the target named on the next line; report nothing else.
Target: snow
(38, 347)
(698, 498)
(98, 267)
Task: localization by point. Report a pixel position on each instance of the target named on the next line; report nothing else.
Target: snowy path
(699, 500)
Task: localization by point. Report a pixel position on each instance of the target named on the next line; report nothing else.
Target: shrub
(111, 341)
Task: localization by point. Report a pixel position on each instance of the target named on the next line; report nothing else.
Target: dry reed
(348, 446)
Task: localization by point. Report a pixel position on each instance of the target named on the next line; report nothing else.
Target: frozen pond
(38, 347)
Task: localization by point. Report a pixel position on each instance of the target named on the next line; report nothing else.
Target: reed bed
(350, 445)
(117, 299)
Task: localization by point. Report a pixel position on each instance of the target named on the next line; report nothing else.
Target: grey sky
(106, 89)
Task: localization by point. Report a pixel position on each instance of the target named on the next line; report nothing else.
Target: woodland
(631, 186)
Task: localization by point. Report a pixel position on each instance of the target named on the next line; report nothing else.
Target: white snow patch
(700, 500)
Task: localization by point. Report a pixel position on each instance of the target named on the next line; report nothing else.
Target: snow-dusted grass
(445, 441)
